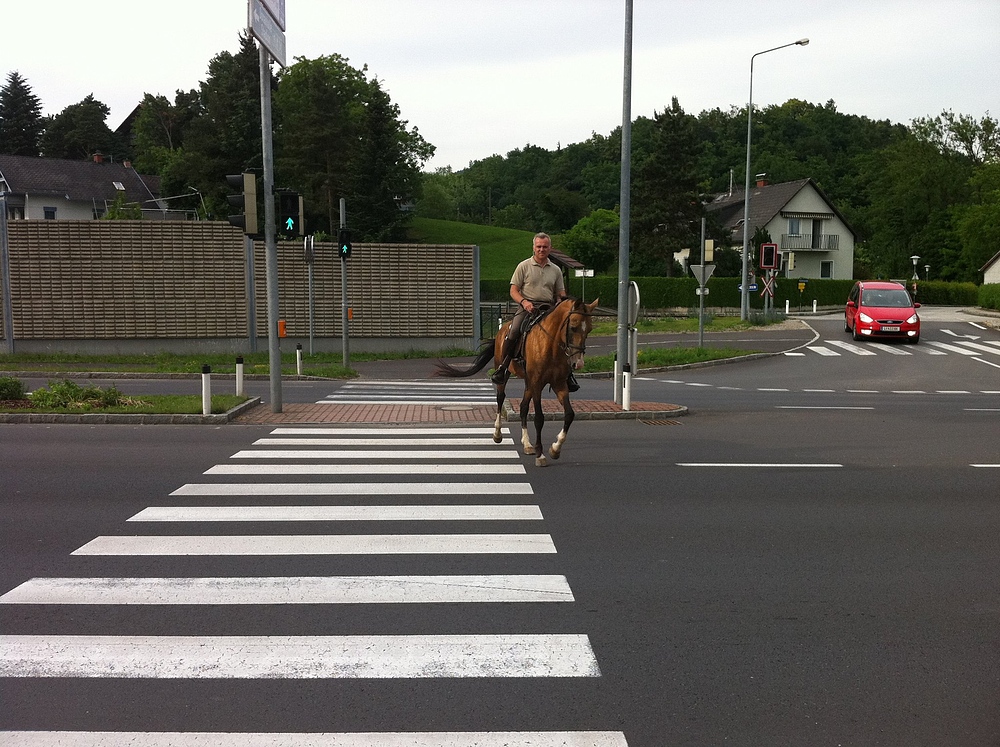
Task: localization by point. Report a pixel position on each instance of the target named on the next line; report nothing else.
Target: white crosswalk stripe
(325, 463)
(414, 393)
(927, 347)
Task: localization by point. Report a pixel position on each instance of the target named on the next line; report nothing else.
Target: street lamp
(745, 290)
(915, 258)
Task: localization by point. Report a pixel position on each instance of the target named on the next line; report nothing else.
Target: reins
(568, 348)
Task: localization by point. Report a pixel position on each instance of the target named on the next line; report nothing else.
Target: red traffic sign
(769, 256)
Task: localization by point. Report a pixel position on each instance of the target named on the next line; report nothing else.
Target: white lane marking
(955, 334)
(366, 469)
(987, 466)
(320, 544)
(821, 407)
(402, 431)
(695, 383)
(756, 464)
(849, 347)
(949, 348)
(952, 391)
(908, 391)
(981, 409)
(980, 360)
(819, 390)
(297, 657)
(397, 384)
(981, 347)
(355, 488)
(377, 454)
(862, 391)
(792, 354)
(318, 739)
(887, 348)
(353, 442)
(771, 389)
(339, 513)
(977, 325)
(292, 590)
(822, 350)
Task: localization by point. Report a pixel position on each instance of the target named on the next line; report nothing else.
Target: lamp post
(927, 272)
(745, 290)
(915, 258)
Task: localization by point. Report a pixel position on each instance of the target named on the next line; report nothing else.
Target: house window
(794, 227)
(826, 269)
(50, 213)
(817, 235)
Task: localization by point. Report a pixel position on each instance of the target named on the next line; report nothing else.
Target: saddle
(542, 310)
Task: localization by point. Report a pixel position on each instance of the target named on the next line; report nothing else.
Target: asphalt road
(809, 557)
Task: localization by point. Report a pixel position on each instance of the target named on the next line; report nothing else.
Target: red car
(877, 309)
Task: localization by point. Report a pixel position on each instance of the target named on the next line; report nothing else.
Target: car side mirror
(851, 304)
(916, 305)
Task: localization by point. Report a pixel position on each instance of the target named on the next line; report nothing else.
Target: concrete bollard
(239, 376)
(786, 307)
(814, 305)
(206, 390)
(298, 358)
(626, 387)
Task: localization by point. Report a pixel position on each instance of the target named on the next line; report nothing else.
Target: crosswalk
(298, 476)
(369, 392)
(834, 348)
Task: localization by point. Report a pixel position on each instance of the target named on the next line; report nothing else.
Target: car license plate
(890, 329)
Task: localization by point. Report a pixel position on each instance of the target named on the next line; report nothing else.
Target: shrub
(70, 395)
(11, 388)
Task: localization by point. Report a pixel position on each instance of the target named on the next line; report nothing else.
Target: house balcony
(810, 242)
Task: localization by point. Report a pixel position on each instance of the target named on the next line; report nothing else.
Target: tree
(21, 122)
(977, 140)
(666, 207)
(339, 135)
(978, 224)
(79, 131)
(593, 240)
(158, 130)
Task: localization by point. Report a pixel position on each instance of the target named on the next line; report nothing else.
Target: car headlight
(865, 318)
(913, 319)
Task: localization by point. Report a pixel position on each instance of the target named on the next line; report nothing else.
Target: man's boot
(572, 384)
(500, 375)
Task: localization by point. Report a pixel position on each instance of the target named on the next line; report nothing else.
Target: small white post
(206, 390)
(786, 307)
(814, 305)
(239, 376)
(626, 387)
(298, 358)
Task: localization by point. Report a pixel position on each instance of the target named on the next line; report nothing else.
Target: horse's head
(579, 323)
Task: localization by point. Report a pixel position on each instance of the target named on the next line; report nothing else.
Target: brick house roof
(86, 181)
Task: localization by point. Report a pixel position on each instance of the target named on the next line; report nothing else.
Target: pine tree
(21, 123)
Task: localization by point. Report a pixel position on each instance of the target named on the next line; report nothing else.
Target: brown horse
(552, 347)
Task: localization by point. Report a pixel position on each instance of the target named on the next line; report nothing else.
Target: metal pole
(625, 202)
(251, 293)
(701, 298)
(343, 290)
(8, 307)
(271, 247)
(745, 276)
(311, 258)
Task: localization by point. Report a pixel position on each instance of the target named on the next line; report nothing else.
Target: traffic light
(344, 243)
(769, 257)
(245, 201)
(290, 219)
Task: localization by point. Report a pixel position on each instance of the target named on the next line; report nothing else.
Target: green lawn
(500, 249)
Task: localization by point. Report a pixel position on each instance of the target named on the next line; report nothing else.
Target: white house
(801, 220)
(991, 270)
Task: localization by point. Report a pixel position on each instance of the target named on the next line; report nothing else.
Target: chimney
(761, 180)
(127, 164)
(98, 158)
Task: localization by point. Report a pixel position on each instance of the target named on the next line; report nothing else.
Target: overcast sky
(479, 77)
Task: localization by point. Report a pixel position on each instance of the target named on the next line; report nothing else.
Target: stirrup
(572, 384)
(499, 376)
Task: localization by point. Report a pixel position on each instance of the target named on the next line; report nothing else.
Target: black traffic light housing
(769, 257)
(245, 201)
(291, 221)
(344, 243)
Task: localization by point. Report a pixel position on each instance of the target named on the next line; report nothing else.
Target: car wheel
(914, 340)
(847, 327)
(854, 332)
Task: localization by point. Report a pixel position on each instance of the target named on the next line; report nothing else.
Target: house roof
(85, 181)
(765, 203)
(990, 262)
(562, 260)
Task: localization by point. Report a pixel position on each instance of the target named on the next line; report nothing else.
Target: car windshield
(893, 299)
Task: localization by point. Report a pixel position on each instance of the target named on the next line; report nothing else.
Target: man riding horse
(536, 284)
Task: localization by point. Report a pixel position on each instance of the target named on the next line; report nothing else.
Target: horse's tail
(483, 357)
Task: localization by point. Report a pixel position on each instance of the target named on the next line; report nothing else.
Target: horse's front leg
(501, 397)
(555, 451)
(539, 450)
(525, 402)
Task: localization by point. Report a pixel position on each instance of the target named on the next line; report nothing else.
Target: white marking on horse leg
(541, 461)
(556, 450)
(497, 438)
(526, 442)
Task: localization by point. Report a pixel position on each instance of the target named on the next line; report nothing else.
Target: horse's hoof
(554, 453)
(529, 450)
(498, 439)
(541, 462)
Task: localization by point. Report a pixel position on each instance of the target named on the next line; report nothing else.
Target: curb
(96, 418)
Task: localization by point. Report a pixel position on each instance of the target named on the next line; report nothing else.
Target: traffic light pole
(343, 289)
(270, 244)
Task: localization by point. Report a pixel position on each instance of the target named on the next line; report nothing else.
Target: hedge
(989, 296)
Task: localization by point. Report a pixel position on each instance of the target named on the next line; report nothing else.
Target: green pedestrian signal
(291, 223)
(344, 243)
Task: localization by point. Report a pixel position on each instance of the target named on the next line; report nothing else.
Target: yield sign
(768, 285)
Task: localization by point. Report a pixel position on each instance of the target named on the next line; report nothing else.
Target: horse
(551, 347)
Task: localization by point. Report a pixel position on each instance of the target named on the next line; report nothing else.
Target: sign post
(702, 273)
(583, 274)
